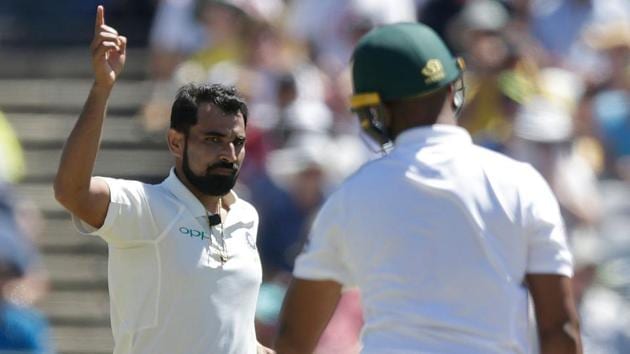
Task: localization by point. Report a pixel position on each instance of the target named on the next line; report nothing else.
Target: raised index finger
(100, 18)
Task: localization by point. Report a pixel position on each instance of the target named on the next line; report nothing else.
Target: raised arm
(75, 189)
(556, 316)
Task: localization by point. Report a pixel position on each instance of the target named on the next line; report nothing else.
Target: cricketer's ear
(457, 95)
(176, 142)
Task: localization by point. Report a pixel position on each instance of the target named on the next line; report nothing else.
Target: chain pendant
(223, 256)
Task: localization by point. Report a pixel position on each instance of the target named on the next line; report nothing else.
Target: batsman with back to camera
(443, 238)
(184, 271)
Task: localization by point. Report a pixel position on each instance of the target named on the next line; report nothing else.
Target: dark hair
(188, 98)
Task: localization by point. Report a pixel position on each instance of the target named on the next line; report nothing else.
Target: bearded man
(184, 271)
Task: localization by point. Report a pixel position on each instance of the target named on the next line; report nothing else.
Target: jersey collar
(433, 135)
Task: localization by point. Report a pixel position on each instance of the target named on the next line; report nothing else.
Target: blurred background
(547, 82)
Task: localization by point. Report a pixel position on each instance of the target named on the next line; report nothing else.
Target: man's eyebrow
(214, 133)
(223, 135)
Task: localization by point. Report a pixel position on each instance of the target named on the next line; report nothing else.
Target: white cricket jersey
(169, 292)
(438, 236)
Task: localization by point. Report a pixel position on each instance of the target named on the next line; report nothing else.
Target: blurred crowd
(547, 82)
(23, 279)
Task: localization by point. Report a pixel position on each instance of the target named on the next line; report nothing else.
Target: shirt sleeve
(548, 252)
(323, 256)
(128, 216)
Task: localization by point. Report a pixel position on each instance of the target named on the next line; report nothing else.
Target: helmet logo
(433, 71)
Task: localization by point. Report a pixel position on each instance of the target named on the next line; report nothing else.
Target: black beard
(208, 183)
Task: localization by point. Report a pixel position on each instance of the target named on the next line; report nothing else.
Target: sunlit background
(547, 82)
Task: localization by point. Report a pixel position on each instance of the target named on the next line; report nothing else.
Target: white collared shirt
(438, 236)
(169, 292)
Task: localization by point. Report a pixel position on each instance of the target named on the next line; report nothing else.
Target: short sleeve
(548, 252)
(128, 216)
(323, 256)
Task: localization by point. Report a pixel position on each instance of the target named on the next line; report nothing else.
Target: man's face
(214, 150)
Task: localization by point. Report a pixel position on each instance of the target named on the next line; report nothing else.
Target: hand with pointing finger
(108, 51)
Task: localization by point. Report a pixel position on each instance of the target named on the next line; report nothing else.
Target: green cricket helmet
(399, 61)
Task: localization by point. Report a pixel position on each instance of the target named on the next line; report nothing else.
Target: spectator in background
(175, 34)
(338, 92)
(557, 23)
(220, 32)
(609, 103)
(298, 177)
(495, 71)
(544, 137)
(558, 26)
(22, 329)
(204, 31)
(438, 14)
(287, 193)
(346, 21)
(604, 313)
(298, 182)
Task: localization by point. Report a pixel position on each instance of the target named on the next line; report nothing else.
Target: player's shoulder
(246, 206)
(366, 172)
(354, 186)
(497, 158)
(123, 183)
(510, 174)
(139, 192)
(245, 209)
(502, 164)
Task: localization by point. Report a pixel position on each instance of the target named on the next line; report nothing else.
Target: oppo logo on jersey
(193, 233)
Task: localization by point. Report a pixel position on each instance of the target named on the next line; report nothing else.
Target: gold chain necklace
(223, 253)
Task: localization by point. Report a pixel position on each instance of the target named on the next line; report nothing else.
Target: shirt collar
(433, 135)
(185, 196)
